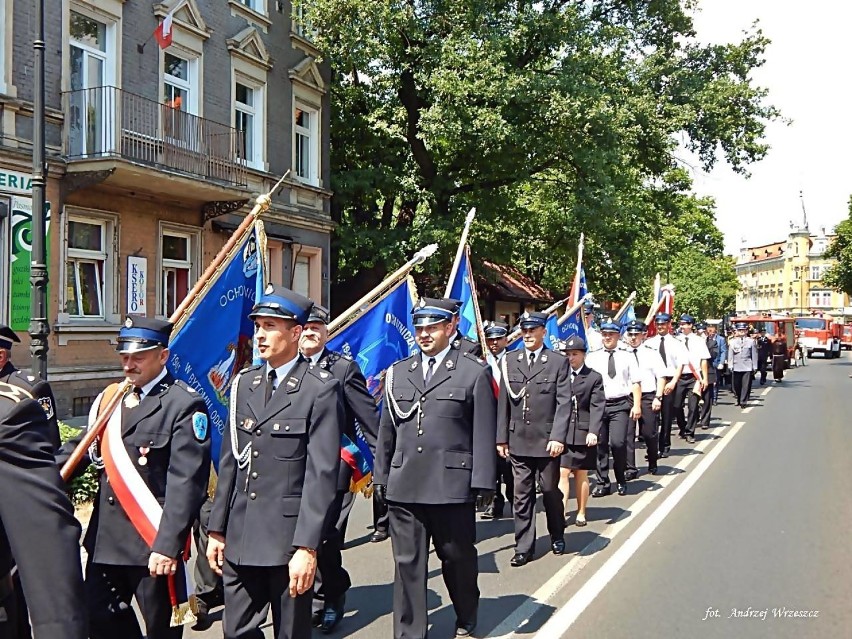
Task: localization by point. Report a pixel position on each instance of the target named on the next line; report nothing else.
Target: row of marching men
(277, 519)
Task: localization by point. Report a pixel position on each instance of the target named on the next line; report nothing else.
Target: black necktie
(610, 367)
(663, 349)
(636, 354)
(430, 369)
(270, 386)
(532, 360)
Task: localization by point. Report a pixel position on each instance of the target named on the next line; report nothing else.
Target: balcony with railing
(111, 123)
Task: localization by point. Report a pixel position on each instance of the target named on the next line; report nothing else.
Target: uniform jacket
(358, 404)
(466, 345)
(176, 472)
(713, 349)
(742, 354)
(41, 392)
(764, 346)
(547, 388)
(295, 452)
(453, 452)
(721, 351)
(587, 406)
(45, 542)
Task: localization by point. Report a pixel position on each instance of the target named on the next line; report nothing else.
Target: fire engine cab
(819, 334)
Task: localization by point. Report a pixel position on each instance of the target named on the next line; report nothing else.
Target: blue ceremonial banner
(378, 338)
(572, 325)
(217, 338)
(462, 290)
(628, 316)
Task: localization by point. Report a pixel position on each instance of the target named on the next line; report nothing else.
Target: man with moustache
(278, 475)
(623, 404)
(671, 351)
(155, 449)
(496, 338)
(533, 409)
(435, 467)
(332, 580)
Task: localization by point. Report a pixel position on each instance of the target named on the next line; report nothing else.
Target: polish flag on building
(163, 32)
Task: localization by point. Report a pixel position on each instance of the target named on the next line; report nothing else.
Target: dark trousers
(332, 581)
(110, 589)
(762, 367)
(524, 470)
(380, 514)
(614, 436)
(452, 530)
(648, 428)
(686, 398)
(666, 418)
(707, 406)
(250, 591)
(208, 585)
(742, 386)
(506, 478)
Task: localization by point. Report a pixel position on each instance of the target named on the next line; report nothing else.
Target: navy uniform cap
(662, 318)
(701, 325)
(496, 330)
(7, 336)
(433, 310)
(686, 318)
(142, 334)
(319, 314)
(610, 327)
(456, 303)
(281, 302)
(635, 326)
(532, 319)
(574, 343)
(741, 326)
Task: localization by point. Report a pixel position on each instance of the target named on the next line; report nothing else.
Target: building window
(180, 99)
(815, 272)
(306, 274)
(91, 75)
(249, 122)
(177, 272)
(306, 143)
(255, 5)
(88, 262)
(301, 275)
(302, 26)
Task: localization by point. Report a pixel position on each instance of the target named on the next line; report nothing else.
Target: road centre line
(565, 617)
(516, 620)
(747, 410)
(766, 391)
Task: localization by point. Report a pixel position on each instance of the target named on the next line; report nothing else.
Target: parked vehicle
(777, 327)
(846, 337)
(819, 334)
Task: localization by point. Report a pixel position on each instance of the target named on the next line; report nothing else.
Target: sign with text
(19, 272)
(137, 280)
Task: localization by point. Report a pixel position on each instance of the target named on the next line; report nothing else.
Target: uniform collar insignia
(521, 356)
(324, 363)
(292, 382)
(456, 343)
(544, 357)
(323, 374)
(248, 422)
(449, 364)
(414, 364)
(256, 381)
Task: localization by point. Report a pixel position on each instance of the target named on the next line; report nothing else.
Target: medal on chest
(143, 455)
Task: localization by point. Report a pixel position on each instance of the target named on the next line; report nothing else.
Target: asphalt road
(747, 528)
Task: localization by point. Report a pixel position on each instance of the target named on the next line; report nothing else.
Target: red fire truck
(819, 334)
(846, 337)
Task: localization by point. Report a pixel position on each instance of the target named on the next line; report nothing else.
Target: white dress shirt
(651, 366)
(675, 355)
(282, 371)
(626, 371)
(695, 350)
(424, 358)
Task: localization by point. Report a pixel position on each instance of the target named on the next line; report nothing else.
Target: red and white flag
(163, 32)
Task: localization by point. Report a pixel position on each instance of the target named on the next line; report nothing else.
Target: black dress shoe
(521, 559)
(202, 619)
(622, 489)
(316, 618)
(653, 470)
(465, 629)
(333, 615)
(690, 439)
(379, 535)
(601, 491)
(558, 546)
(630, 475)
(663, 454)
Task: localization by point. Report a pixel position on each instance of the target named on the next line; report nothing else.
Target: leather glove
(484, 497)
(381, 495)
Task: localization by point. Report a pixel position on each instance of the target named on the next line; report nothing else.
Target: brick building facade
(154, 157)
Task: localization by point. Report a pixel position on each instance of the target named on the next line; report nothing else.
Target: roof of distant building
(508, 283)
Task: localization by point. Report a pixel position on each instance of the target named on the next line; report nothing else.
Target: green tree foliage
(551, 117)
(705, 286)
(839, 276)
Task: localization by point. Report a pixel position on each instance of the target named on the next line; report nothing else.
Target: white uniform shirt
(675, 355)
(626, 371)
(651, 366)
(695, 348)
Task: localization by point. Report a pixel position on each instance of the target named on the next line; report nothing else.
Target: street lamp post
(39, 329)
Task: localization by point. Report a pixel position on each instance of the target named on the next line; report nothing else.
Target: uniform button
(464, 463)
(254, 475)
(451, 394)
(286, 428)
(255, 453)
(253, 496)
(258, 432)
(276, 427)
(422, 399)
(527, 422)
(110, 501)
(151, 442)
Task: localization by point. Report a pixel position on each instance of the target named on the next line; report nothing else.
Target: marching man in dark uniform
(496, 338)
(587, 413)
(693, 378)
(652, 375)
(742, 362)
(332, 580)
(35, 386)
(283, 444)
(37, 526)
(533, 410)
(435, 466)
(154, 458)
(623, 406)
(671, 350)
(466, 344)
(764, 351)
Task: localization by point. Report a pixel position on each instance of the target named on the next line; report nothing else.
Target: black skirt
(579, 457)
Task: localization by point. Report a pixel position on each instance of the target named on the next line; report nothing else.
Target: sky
(807, 75)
